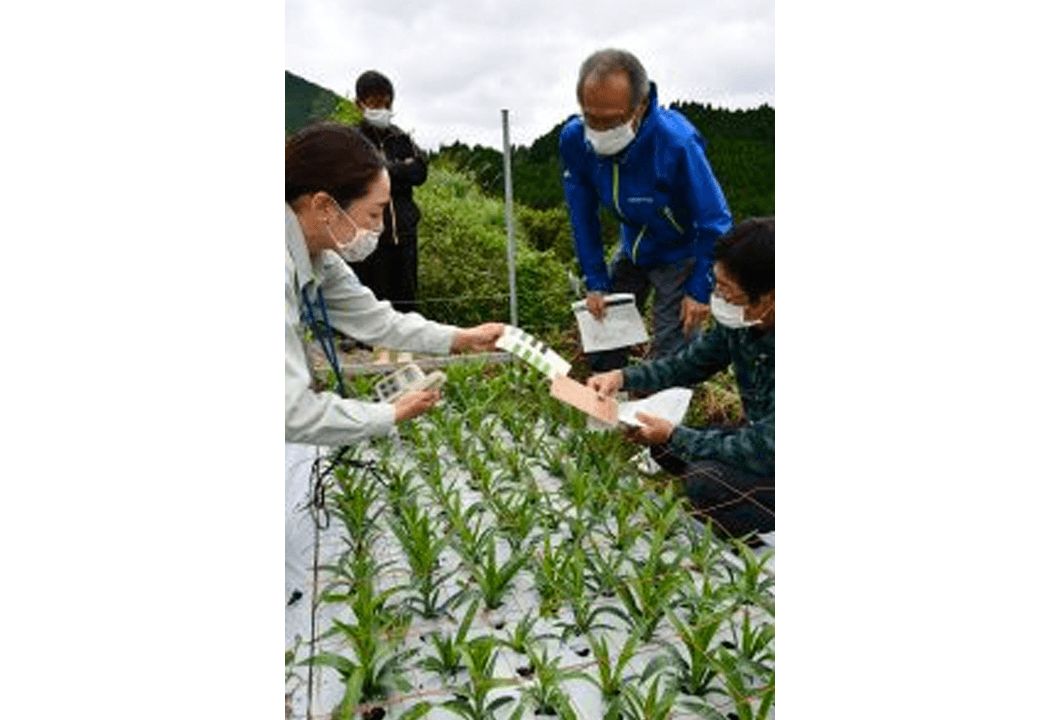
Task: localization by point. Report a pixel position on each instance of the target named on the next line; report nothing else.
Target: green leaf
(656, 664)
(499, 702)
(460, 707)
(416, 711)
(351, 697)
(344, 665)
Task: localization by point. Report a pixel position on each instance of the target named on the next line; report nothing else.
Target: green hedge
(463, 276)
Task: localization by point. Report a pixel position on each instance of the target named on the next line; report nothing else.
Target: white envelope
(622, 325)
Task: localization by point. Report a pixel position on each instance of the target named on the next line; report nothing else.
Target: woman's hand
(655, 431)
(481, 338)
(414, 404)
(607, 383)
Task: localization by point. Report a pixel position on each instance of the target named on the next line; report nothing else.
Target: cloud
(455, 65)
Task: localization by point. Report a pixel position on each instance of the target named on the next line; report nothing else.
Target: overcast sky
(455, 65)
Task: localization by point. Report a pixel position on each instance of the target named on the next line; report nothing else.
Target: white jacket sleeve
(354, 309)
(323, 418)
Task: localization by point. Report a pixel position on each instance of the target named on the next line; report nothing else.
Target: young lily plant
(545, 694)
(548, 578)
(377, 668)
(517, 516)
(522, 638)
(754, 648)
(610, 675)
(655, 704)
(448, 659)
(752, 580)
(690, 660)
(424, 544)
(650, 590)
(470, 538)
(493, 580)
(750, 701)
(607, 569)
(584, 616)
(472, 699)
(356, 504)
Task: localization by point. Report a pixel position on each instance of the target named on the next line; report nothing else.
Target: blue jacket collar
(647, 125)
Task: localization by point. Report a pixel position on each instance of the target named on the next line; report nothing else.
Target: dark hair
(747, 253)
(604, 62)
(333, 158)
(373, 83)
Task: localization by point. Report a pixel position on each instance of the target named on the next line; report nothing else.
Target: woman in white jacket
(336, 189)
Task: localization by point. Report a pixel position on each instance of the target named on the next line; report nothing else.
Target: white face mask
(728, 314)
(610, 142)
(380, 118)
(361, 245)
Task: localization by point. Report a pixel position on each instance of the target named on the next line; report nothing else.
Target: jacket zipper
(673, 221)
(614, 191)
(618, 210)
(636, 243)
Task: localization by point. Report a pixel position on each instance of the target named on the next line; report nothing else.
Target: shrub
(464, 258)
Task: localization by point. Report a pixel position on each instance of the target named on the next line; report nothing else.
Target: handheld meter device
(406, 379)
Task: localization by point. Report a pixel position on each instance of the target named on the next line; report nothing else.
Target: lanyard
(326, 337)
(322, 332)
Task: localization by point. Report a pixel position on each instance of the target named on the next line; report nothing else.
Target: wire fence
(544, 316)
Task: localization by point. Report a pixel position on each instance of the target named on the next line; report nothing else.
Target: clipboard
(622, 325)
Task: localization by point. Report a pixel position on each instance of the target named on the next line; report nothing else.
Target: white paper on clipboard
(622, 325)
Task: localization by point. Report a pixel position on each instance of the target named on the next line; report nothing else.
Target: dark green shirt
(751, 353)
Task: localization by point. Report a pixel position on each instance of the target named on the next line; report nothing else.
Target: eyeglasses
(732, 296)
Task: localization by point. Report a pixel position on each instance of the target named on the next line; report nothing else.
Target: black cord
(318, 482)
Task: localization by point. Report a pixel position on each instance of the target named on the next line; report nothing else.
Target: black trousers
(668, 281)
(391, 272)
(737, 502)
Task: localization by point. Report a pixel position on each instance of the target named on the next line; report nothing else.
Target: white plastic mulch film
(500, 561)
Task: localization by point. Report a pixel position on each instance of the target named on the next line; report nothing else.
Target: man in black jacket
(391, 271)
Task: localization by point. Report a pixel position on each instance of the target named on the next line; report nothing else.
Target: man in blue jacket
(648, 166)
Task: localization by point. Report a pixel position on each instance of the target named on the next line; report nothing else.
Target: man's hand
(596, 305)
(607, 383)
(693, 314)
(481, 338)
(655, 431)
(414, 404)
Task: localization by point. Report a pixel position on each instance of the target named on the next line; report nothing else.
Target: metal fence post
(508, 219)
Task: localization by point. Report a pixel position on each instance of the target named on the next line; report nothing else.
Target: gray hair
(604, 62)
